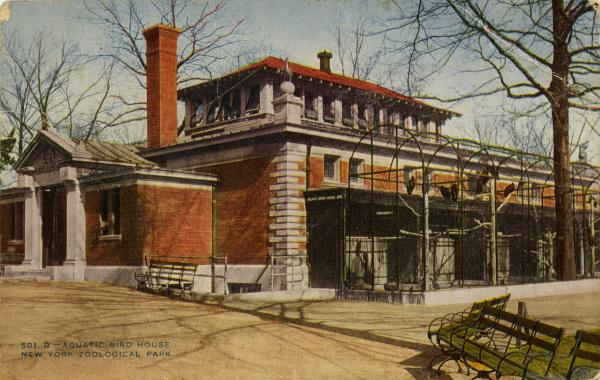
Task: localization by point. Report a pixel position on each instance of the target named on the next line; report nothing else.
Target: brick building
(265, 156)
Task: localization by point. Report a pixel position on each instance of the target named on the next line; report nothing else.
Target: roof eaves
(307, 71)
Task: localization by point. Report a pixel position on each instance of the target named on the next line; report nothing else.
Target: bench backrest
(530, 332)
(499, 302)
(177, 270)
(587, 347)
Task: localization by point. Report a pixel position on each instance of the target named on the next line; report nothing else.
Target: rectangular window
(330, 168)
(236, 104)
(16, 221)
(347, 114)
(276, 90)
(328, 110)
(410, 122)
(116, 210)
(212, 112)
(390, 117)
(253, 104)
(225, 107)
(363, 117)
(198, 113)
(110, 212)
(356, 167)
(391, 125)
(310, 109)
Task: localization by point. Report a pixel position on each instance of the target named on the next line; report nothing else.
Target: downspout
(493, 227)
(307, 170)
(213, 242)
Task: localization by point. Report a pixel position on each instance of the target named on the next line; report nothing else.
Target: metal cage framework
(445, 212)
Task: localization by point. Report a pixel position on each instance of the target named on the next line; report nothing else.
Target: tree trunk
(558, 96)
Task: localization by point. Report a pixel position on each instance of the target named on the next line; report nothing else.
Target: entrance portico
(54, 233)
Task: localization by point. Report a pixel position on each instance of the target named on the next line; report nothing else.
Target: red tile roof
(298, 69)
(306, 71)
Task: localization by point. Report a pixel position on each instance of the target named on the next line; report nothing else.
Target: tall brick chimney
(161, 84)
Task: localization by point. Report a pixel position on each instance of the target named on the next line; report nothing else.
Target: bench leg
(456, 357)
(481, 374)
(141, 285)
(165, 289)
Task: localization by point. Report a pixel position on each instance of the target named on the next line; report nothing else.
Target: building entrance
(54, 226)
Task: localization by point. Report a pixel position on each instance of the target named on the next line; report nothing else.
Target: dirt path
(67, 330)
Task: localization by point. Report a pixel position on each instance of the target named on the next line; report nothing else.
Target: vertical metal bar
(493, 252)
(308, 167)
(397, 213)
(343, 238)
(372, 215)
(272, 272)
(425, 249)
(213, 245)
(592, 234)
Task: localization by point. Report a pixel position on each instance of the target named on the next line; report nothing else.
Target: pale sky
(297, 28)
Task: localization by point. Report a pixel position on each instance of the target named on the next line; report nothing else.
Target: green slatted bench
(506, 344)
(446, 324)
(582, 359)
(166, 276)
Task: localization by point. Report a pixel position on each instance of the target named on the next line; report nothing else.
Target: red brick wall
(316, 175)
(316, 172)
(178, 222)
(242, 201)
(125, 251)
(154, 220)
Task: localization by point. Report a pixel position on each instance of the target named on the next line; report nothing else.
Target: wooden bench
(582, 362)
(469, 317)
(505, 343)
(166, 276)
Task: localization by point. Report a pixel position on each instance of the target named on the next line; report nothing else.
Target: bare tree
(357, 55)
(249, 49)
(38, 90)
(202, 47)
(545, 51)
(204, 33)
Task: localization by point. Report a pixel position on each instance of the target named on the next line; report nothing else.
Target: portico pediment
(46, 153)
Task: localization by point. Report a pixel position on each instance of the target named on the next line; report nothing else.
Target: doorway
(54, 226)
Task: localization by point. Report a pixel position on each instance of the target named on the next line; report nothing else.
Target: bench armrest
(551, 356)
(449, 318)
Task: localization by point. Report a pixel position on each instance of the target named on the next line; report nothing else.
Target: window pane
(104, 212)
(225, 106)
(13, 221)
(212, 113)
(390, 117)
(355, 168)
(117, 211)
(362, 117)
(253, 104)
(276, 91)
(328, 110)
(236, 104)
(329, 166)
(198, 113)
(310, 110)
(20, 220)
(347, 113)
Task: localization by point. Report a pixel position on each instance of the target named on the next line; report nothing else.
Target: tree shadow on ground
(417, 365)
